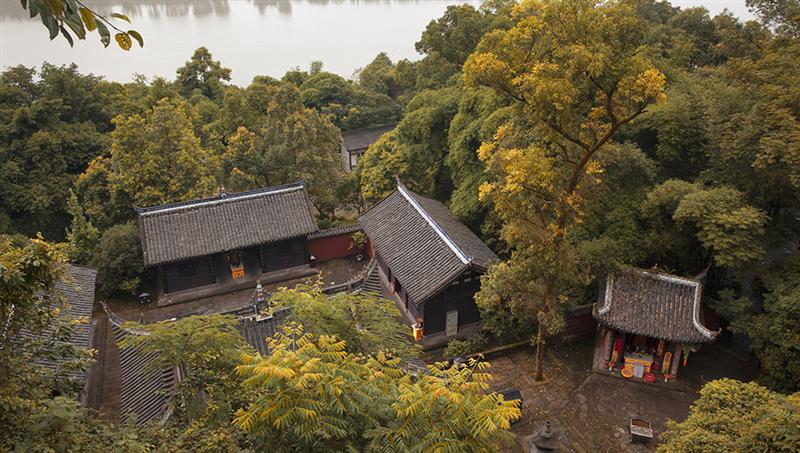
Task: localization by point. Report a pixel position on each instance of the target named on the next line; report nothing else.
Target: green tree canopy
(285, 142)
(368, 324)
(202, 74)
(157, 158)
(772, 330)
(53, 124)
(736, 416)
(118, 260)
(206, 349)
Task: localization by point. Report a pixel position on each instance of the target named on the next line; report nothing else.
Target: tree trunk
(538, 375)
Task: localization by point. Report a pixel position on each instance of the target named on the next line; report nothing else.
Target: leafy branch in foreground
(312, 392)
(72, 15)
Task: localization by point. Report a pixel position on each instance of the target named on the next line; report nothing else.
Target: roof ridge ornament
(459, 253)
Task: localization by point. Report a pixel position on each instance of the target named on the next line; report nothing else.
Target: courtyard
(589, 411)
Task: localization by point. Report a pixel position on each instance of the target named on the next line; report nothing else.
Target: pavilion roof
(653, 304)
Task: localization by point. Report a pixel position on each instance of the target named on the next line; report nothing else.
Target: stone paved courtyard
(590, 411)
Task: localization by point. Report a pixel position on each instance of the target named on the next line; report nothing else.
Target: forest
(576, 137)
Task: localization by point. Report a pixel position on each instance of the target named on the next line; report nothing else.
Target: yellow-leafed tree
(312, 394)
(577, 72)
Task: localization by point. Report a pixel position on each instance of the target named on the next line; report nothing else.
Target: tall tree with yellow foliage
(577, 71)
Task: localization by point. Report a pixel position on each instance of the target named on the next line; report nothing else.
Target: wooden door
(451, 325)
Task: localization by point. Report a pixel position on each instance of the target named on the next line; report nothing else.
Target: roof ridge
(219, 199)
(438, 229)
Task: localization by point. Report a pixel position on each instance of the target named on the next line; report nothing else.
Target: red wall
(332, 247)
(579, 324)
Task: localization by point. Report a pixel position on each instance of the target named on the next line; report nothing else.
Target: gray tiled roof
(76, 289)
(424, 246)
(335, 231)
(145, 392)
(213, 225)
(256, 330)
(362, 138)
(653, 304)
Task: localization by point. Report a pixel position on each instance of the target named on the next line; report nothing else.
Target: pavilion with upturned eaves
(648, 322)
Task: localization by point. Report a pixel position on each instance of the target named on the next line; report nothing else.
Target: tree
(379, 76)
(480, 112)
(157, 158)
(456, 34)
(727, 226)
(736, 416)
(202, 74)
(349, 106)
(206, 349)
(414, 151)
(772, 331)
(34, 328)
(27, 272)
(62, 424)
(784, 15)
(82, 237)
(53, 124)
(575, 84)
(102, 206)
(368, 324)
(284, 142)
(74, 16)
(118, 260)
(311, 392)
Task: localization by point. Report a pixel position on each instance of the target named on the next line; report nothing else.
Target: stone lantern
(545, 441)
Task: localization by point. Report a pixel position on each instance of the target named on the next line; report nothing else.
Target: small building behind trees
(648, 323)
(356, 142)
(205, 247)
(430, 262)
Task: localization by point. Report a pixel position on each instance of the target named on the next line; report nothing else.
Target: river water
(252, 37)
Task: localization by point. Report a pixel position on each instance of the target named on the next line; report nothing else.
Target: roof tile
(653, 304)
(422, 243)
(213, 225)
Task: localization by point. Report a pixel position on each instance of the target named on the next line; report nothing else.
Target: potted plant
(358, 241)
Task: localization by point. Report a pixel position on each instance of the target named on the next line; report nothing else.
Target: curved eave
(703, 334)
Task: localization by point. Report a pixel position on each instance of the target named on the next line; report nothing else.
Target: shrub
(463, 347)
(118, 260)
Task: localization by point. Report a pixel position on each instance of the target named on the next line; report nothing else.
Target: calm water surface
(252, 37)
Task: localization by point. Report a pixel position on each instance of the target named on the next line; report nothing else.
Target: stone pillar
(602, 347)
